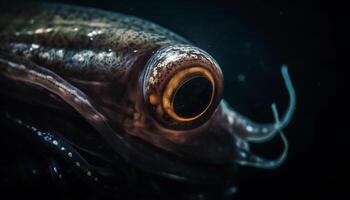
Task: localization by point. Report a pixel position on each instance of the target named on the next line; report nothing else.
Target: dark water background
(251, 39)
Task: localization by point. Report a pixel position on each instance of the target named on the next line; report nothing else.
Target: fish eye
(188, 94)
(182, 87)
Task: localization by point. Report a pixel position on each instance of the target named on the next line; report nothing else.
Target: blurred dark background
(251, 39)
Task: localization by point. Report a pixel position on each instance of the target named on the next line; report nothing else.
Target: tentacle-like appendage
(60, 146)
(247, 158)
(257, 132)
(23, 70)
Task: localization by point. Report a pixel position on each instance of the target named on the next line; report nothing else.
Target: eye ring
(176, 82)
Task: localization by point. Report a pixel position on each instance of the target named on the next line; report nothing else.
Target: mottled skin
(103, 67)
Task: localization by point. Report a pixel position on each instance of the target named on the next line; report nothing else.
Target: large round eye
(193, 97)
(188, 94)
(182, 87)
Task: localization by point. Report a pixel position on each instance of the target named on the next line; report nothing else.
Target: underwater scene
(192, 100)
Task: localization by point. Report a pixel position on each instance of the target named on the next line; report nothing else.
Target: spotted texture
(69, 39)
(58, 145)
(70, 62)
(102, 66)
(173, 58)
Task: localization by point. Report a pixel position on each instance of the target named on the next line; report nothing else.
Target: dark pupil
(192, 97)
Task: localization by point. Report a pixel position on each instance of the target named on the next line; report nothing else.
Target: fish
(136, 89)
